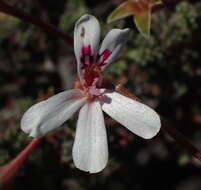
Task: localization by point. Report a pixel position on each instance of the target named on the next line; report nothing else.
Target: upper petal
(137, 117)
(90, 150)
(86, 40)
(112, 45)
(47, 115)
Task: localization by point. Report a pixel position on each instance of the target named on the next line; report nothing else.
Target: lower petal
(47, 115)
(90, 149)
(137, 117)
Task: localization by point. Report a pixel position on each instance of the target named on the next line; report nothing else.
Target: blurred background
(163, 71)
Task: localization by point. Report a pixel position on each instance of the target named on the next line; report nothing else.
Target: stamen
(91, 73)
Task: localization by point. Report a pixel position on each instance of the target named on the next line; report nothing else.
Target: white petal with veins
(137, 117)
(90, 149)
(48, 115)
(86, 32)
(114, 41)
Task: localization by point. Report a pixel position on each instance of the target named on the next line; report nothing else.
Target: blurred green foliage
(164, 71)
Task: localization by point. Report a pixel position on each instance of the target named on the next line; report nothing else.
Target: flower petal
(137, 117)
(90, 150)
(86, 39)
(47, 115)
(112, 45)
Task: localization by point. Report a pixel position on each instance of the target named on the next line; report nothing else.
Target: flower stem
(8, 172)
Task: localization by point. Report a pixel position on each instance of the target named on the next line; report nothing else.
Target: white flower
(90, 149)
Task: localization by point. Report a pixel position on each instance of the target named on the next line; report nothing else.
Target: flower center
(92, 66)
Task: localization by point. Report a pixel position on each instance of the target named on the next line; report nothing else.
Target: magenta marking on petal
(86, 50)
(104, 56)
(87, 57)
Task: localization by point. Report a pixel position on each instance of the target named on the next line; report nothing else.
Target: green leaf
(157, 2)
(140, 9)
(124, 10)
(143, 22)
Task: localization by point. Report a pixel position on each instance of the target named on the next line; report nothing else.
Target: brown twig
(8, 9)
(42, 9)
(181, 139)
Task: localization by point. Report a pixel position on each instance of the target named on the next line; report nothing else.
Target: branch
(8, 172)
(179, 137)
(10, 10)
